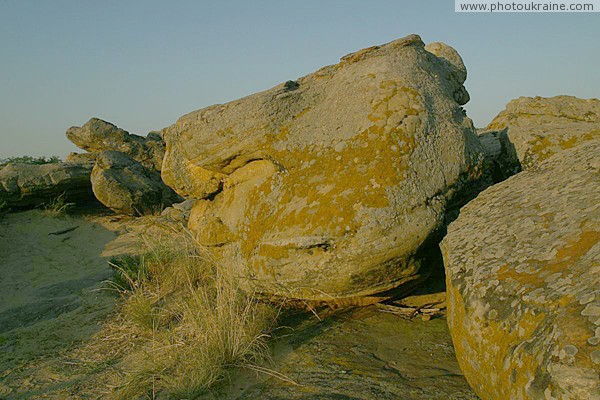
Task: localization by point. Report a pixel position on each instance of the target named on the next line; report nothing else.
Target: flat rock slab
(27, 185)
(358, 354)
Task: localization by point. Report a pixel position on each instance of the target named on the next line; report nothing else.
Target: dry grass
(3, 207)
(57, 206)
(186, 321)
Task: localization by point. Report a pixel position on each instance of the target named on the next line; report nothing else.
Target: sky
(143, 64)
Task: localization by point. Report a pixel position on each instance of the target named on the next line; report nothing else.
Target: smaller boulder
(97, 135)
(127, 187)
(539, 127)
(29, 185)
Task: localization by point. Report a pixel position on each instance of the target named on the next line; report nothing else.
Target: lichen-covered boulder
(127, 187)
(326, 187)
(539, 127)
(523, 281)
(27, 185)
(97, 135)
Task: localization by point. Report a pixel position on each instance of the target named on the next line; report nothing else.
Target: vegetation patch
(3, 207)
(185, 321)
(30, 160)
(57, 206)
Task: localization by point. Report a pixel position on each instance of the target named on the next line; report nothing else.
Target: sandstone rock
(27, 185)
(97, 135)
(179, 211)
(127, 187)
(540, 127)
(523, 280)
(360, 354)
(327, 186)
(501, 156)
(82, 158)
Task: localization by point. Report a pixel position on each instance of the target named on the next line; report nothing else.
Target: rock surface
(523, 278)
(327, 186)
(360, 354)
(500, 153)
(540, 127)
(82, 158)
(125, 186)
(97, 135)
(27, 185)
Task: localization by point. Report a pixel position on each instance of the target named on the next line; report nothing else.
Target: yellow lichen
(340, 181)
(496, 366)
(358, 56)
(543, 147)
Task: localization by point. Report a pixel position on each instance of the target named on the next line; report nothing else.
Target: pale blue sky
(142, 64)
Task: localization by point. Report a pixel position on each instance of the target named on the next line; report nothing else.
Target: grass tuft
(3, 207)
(189, 320)
(57, 206)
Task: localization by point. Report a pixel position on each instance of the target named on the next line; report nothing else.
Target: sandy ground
(51, 294)
(53, 303)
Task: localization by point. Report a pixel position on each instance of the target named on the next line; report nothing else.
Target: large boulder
(523, 281)
(97, 135)
(127, 187)
(28, 185)
(538, 127)
(327, 186)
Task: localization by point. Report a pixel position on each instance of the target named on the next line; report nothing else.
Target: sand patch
(50, 297)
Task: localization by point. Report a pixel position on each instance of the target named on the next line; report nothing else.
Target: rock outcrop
(523, 281)
(27, 185)
(501, 157)
(327, 186)
(82, 158)
(539, 127)
(97, 135)
(127, 187)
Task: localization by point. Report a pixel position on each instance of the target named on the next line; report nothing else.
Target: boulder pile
(126, 168)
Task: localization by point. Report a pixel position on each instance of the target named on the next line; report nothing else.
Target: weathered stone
(27, 185)
(540, 127)
(455, 64)
(523, 279)
(501, 156)
(360, 354)
(127, 187)
(179, 211)
(82, 158)
(325, 187)
(97, 135)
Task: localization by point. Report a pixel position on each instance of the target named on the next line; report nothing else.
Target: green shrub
(29, 160)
